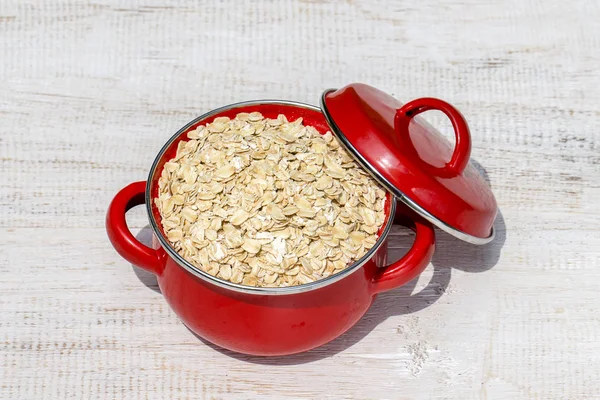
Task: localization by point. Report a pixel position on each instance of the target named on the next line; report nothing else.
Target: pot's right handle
(121, 237)
(413, 263)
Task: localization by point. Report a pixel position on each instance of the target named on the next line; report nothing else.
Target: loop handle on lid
(462, 148)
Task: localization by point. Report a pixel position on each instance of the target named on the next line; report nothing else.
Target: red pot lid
(412, 159)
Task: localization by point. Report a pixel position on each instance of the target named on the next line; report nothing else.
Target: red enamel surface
(263, 324)
(414, 157)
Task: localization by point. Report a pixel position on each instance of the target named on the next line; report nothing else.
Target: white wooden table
(91, 90)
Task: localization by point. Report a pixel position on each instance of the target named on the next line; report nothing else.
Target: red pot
(433, 178)
(264, 321)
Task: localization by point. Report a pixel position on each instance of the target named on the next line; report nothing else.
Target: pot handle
(121, 237)
(413, 263)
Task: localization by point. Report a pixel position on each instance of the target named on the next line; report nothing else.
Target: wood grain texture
(91, 90)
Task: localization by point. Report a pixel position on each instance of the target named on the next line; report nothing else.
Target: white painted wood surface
(91, 90)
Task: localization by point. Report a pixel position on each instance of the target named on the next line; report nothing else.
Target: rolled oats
(267, 202)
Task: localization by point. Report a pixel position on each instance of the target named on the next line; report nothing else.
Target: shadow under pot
(270, 321)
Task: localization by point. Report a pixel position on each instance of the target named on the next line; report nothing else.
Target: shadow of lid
(451, 252)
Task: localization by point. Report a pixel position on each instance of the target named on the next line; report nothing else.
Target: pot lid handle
(462, 148)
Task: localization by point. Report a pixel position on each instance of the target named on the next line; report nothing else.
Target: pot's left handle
(121, 237)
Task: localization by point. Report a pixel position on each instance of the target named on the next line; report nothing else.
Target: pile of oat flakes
(267, 202)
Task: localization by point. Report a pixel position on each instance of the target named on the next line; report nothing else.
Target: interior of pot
(311, 116)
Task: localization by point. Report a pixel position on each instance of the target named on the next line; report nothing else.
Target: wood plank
(91, 91)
